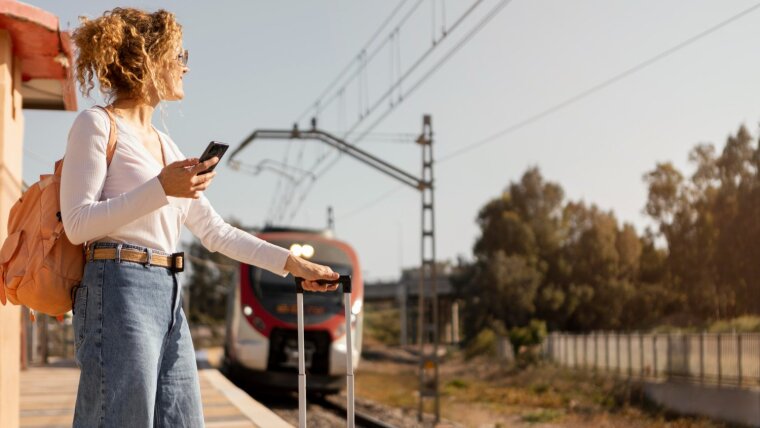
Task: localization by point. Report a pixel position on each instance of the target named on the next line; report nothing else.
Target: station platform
(48, 394)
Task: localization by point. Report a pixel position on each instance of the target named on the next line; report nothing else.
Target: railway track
(363, 419)
(327, 411)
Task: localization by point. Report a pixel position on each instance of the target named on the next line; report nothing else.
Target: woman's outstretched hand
(311, 272)
(181, 180)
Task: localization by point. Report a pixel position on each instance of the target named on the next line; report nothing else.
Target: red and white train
(261, 343)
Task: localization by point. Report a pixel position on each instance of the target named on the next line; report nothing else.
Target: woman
(132, 339)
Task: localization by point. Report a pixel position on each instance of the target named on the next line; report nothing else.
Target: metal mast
(427, 330)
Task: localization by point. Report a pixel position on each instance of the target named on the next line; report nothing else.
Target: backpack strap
(111, 148)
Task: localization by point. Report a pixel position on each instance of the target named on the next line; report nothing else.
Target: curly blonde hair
(125, 51)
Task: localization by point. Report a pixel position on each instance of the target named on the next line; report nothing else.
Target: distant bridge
(404, 294)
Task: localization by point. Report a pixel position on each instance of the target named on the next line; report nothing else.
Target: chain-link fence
(714, 358)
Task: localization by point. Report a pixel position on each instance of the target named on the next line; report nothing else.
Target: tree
(540, 257)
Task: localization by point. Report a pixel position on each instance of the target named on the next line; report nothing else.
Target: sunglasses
(182, 58)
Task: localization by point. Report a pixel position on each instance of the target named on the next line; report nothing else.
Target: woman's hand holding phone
(181, 179)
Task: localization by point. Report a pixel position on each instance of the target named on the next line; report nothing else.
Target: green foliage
(382, 324)
(525, 342)
(710, 223)
(542, 416)
(576, 267)
(532, 334)
(457, 384)
(483, 344)
(567, 263)
(745, 324)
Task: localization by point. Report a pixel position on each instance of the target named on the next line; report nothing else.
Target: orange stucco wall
(11, 139)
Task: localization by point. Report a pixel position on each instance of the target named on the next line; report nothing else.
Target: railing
(708, 358)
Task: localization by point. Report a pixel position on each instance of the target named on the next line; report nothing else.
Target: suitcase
(345, 282)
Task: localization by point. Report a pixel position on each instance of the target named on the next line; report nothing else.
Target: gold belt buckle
(178, 262)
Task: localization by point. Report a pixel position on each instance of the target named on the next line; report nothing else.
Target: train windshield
(278, 295)
(275, 291)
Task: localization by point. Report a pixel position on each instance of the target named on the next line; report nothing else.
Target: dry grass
(481, 392)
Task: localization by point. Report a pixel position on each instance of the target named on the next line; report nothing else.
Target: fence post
(654, 354)
(607, 351)
(555, 347)
(617, 354)
(570, 339)
(563, 352)
(739, 356)
(720, 360)
(641, 355)
(669, 358)
(685, 355)
(575, 351)
(585, 350)
(702, 357)
(630, 355)
(596, 350)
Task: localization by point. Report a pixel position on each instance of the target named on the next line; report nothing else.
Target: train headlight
(306, 251)
(247, 310)
(296, 249)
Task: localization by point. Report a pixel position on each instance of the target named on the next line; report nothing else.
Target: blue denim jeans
(133, 347)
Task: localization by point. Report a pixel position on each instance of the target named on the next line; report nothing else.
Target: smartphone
(214, 148)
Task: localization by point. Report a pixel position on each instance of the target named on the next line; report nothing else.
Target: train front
(262, 342)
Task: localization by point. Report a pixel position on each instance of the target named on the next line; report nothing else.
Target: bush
(382, 323)
(526, 342)
(745, 324)
(484, 343)
(532, 334)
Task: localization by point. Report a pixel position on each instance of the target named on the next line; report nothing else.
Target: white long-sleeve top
(126, 203)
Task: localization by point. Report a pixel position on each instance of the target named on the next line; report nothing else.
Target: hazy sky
(259, 64)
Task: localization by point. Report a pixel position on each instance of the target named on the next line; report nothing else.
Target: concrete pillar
(455, 321)
(11, 134)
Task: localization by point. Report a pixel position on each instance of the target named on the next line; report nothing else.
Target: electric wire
(598, 87)
(351, 63)
(571, 100)
(490, 15)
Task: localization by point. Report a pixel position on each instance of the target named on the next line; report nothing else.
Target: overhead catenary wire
(278, 185)
(571, 100)
(321, 104)
(598, 87)
(370, 204)
(490, 15)
(348, 67)
(365, 110)
(495, 11)
(420, 60)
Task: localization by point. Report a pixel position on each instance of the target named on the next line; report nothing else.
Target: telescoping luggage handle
(345, 281)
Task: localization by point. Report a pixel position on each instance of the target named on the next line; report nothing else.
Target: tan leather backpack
(39, 267)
